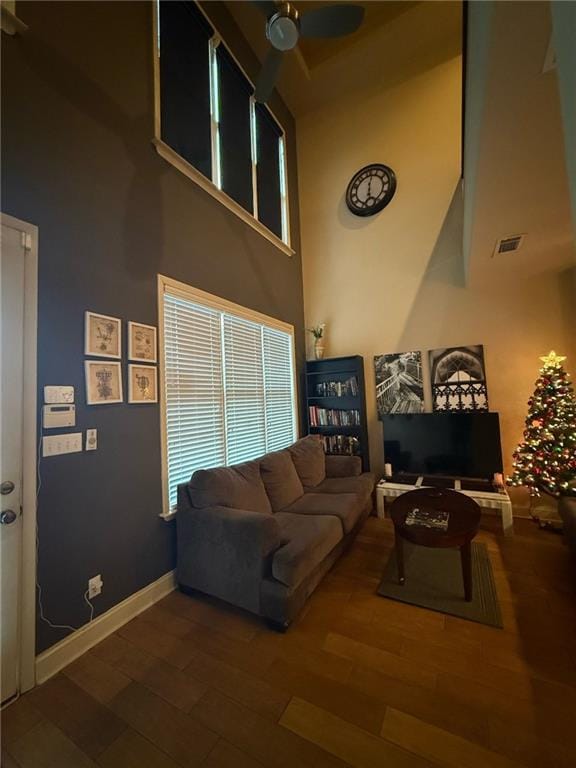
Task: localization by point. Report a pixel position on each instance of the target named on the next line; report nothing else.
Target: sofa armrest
(343, 466)
(226, 552)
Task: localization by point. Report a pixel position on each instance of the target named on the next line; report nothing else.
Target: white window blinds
(195, 435)
(278, 383)
(229, 389)
(244, 390)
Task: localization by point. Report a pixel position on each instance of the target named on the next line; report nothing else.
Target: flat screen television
(451, 444)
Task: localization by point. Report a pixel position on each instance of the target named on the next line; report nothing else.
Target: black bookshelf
(336, 405)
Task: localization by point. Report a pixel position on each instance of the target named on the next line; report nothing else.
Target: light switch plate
(60, 394)
(91, 439)
(53, 445)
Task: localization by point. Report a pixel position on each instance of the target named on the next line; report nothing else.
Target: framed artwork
(142, 343)
(103, 382)
(399, 384)
(102, 335)
(458, 378)
(142, 384)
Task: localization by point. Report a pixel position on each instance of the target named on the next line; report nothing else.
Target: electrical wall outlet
(95, 585)
(91, 439)
(69, 442)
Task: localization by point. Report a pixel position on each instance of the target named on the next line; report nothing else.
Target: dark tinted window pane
(268, 170)
(185, 82)
(235, 145)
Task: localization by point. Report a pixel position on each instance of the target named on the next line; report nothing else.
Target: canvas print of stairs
(399, 385)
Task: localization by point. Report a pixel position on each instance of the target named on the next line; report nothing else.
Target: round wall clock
(371, 189)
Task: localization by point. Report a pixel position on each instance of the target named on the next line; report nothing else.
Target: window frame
(212, 186)
(198, 296)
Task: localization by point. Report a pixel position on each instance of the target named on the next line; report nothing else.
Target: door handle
(7, 516)
(6, 487)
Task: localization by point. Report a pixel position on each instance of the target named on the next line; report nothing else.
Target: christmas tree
(546, 459)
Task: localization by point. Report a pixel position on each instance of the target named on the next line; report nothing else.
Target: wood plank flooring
(358, 680)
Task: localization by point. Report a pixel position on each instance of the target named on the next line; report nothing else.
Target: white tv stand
(498, 500)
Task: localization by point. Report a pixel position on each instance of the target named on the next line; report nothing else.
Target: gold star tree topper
(552, 360)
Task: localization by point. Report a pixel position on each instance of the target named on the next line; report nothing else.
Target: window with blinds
(208, 116)
(228, 385)
(235, 93)
(268, 172)
(184, 36)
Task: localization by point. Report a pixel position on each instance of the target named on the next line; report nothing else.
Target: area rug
(434, 580)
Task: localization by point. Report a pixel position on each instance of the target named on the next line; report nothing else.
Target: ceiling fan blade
(268, 75)
(333, 21)
(267, 7)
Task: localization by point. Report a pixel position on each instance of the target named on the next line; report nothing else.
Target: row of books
(337, 388)
(333, 417)
(341, 445)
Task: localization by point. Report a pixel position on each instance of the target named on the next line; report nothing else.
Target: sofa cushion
(280, 479)
(309, 459)
(239, 487)
(346, 506)
(361, 485)
(308, 539)
(343, 466)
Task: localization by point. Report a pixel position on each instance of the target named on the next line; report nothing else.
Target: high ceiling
(321, 70)
(376, 14)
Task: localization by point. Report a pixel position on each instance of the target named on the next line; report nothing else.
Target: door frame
(27, 676)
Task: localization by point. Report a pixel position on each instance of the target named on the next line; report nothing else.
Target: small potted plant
(318, 332)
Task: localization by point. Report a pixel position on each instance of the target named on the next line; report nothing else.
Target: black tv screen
(453, 444)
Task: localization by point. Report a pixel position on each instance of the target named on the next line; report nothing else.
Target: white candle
(388, 470)
(498, 479)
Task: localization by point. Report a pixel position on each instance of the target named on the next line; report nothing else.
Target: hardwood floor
(358, 681)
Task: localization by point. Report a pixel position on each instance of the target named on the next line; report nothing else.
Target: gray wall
(78, 162)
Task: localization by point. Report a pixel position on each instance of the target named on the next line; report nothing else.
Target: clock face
(371, 189)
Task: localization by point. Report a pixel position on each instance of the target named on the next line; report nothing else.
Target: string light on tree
(546, 459)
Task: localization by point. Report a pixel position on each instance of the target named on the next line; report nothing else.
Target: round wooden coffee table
(463, 522)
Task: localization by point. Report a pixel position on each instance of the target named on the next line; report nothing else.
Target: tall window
(208, 116)
(229, 392)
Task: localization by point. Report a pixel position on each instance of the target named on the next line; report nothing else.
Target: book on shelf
(341, 445)
(333, 417)
(337, 388)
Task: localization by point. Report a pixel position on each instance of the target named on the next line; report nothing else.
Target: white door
(12, 262)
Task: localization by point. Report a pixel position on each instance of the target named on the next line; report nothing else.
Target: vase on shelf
(319, 349)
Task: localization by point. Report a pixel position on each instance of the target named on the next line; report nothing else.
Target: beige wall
(394, 282)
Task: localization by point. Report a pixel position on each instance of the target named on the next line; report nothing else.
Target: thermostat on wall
(59, 416)
(58, 394)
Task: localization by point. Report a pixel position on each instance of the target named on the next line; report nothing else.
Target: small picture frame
(102, 335)
(142, 384)
(142, 345)
(103, 382)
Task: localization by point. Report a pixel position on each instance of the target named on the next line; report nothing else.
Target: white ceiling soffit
(564, 41)
(515, 166)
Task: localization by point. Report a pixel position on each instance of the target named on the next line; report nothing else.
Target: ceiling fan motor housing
(283, 28)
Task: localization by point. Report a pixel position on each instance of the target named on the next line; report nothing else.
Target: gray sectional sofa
(261, 535)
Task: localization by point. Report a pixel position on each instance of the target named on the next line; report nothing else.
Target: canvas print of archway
(458, 379)
(399, 385)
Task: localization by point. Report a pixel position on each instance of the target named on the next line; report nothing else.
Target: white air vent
(509, 244)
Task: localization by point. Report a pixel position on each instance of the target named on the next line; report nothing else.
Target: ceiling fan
(285, 26)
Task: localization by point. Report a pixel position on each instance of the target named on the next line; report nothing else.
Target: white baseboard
(63, 653)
